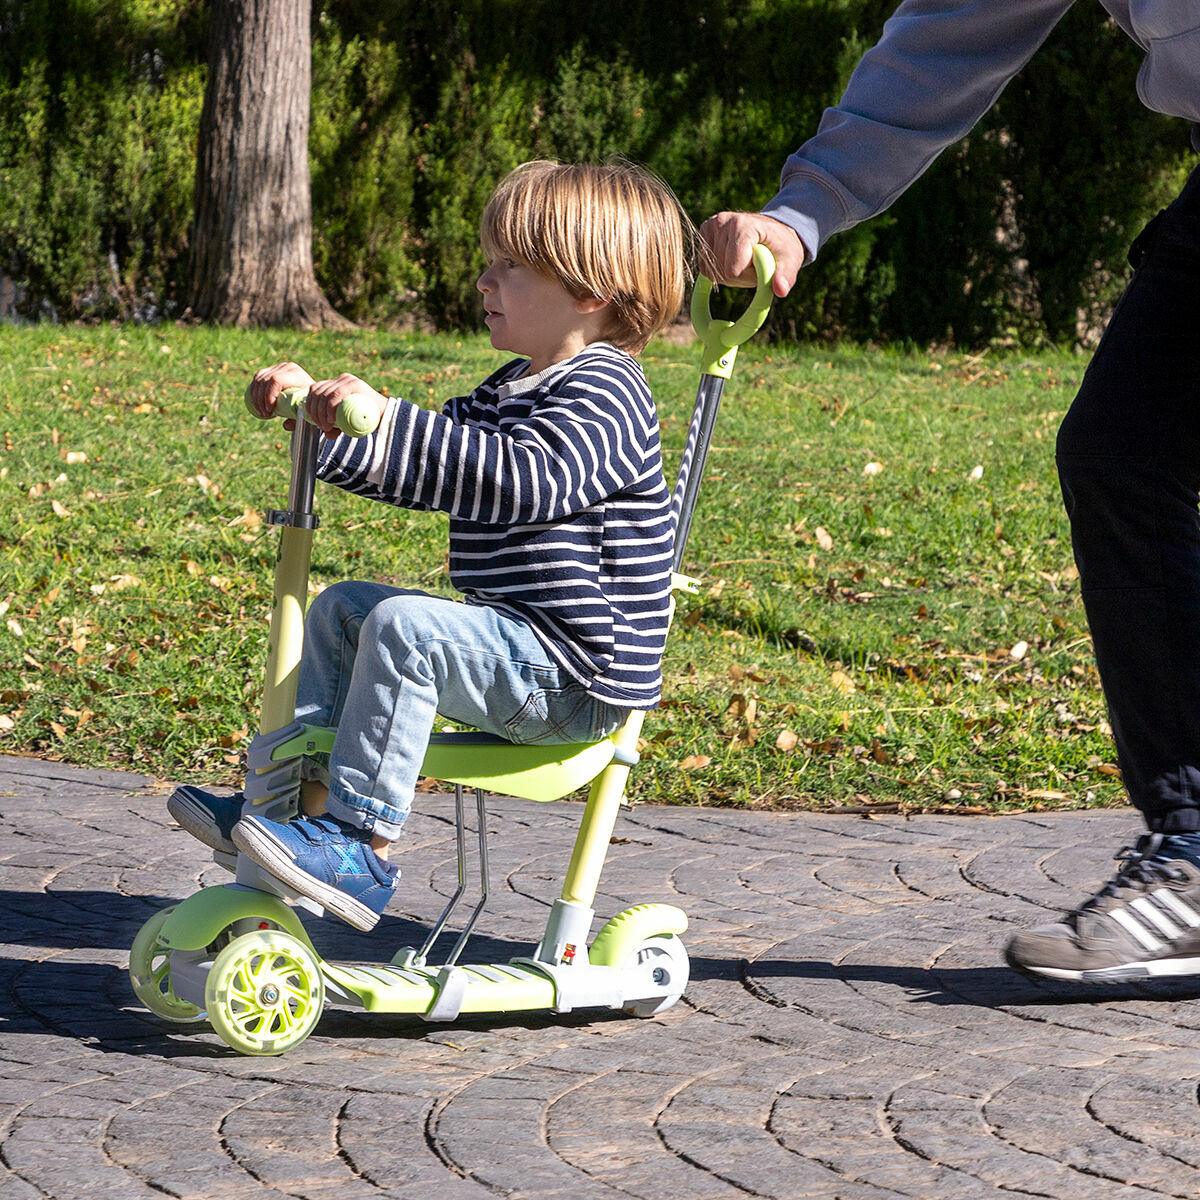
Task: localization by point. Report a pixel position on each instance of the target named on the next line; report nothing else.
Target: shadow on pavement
(981, 987)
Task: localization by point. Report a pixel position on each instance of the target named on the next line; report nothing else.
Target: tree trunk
(251, 252)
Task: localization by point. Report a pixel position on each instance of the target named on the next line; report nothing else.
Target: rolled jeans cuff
(379, 820)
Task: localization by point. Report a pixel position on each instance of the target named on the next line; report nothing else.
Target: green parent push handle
(351, 417)
(721, 339)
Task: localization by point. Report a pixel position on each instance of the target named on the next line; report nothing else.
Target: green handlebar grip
(352, 416)
(722, 338)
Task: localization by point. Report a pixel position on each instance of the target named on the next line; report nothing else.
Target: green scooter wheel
(150, 974)
(264, 993)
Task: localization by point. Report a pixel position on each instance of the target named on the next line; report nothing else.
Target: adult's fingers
(730, 238)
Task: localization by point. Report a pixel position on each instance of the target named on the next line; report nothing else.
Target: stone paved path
(848, 1032)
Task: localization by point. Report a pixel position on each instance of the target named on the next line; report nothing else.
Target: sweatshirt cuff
(810, 206)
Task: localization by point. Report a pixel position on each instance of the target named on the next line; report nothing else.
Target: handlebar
(722, 338)
(350, 416)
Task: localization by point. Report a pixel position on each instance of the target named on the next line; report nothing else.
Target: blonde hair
(612, 231)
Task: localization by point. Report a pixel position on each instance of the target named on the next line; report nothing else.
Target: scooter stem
(286, 639)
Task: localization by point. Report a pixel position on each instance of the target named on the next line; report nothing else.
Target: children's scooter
(238, 955)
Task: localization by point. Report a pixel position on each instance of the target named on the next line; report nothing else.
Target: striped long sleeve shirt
(559, 513)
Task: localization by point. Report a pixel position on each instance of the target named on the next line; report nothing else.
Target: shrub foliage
(418, 106)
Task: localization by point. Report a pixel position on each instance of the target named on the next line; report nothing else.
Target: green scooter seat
(481, 760)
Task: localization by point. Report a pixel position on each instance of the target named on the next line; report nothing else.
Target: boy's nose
(484, 282)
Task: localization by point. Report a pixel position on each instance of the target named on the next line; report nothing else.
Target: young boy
(560, 533)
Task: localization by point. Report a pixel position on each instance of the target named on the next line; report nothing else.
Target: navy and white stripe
(559, 512)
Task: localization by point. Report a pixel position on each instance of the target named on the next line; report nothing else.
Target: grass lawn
(890, 617)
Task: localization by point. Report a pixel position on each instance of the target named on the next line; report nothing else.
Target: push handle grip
(351, 416)
(722, 338)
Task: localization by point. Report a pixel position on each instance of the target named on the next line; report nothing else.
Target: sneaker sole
(1156, 968)
(197, 820)
(264, 848)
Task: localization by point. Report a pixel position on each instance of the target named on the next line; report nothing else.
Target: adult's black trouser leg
(1129, 464)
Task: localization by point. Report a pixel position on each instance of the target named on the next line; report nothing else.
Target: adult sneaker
(207, 816)
(1144, 923)
(324, 859)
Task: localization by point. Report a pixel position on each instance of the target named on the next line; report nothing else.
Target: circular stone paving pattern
(848, 1032)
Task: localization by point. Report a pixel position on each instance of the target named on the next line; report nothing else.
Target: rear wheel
(264, 993)
(664, 962)
(150, 974)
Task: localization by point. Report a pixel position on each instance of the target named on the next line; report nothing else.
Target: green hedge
(418, 106)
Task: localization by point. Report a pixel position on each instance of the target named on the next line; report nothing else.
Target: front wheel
(264, 993)
(661, 962)
(150, 974)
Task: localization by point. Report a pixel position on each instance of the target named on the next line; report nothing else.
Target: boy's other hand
(325, 396)
(269, 383)
(731, 237)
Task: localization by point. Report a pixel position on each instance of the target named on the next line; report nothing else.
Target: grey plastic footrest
(258, 754)
(262, 785)
(251, 875)
(272, 790)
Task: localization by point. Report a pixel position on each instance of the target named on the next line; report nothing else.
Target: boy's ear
(587, 305)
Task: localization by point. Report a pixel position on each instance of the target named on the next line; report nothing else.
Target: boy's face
(533, 314)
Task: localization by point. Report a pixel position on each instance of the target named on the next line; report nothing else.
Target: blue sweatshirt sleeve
(938, 67)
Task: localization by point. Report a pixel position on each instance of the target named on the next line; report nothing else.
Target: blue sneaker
(207, 816)
(324, 859)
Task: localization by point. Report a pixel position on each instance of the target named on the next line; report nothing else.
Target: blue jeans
(381, 662)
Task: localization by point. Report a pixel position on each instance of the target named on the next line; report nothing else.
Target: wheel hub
(268, 994)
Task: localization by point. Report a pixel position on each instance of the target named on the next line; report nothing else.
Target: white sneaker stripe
(1160, 920)
(1178, 906)
(1136, 929)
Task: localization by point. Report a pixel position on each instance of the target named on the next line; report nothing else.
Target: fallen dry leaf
(842, 683)
(250, 518)
(694, 762)
(823, 538)
(787, 740)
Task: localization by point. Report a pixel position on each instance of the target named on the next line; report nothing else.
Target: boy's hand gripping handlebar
(721, 339)
(351, 416)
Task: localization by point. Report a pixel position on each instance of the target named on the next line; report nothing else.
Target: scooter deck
(493, 988)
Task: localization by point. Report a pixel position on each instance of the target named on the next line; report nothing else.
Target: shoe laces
(1139, 869)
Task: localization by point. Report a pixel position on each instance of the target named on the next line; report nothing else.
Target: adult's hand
(731, 238)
